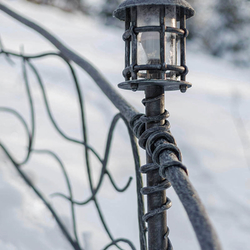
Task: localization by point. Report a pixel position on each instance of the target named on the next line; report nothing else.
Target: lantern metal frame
(127, 12)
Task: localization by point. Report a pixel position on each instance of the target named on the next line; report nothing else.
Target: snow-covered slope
(210, 123)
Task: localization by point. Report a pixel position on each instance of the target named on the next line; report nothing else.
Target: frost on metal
(120, 11)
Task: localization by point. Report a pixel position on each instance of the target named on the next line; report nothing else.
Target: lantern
(155, 43)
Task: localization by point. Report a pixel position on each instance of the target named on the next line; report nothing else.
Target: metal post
(157, 225)
(183, 43)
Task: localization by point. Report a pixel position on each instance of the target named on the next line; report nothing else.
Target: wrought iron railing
(166, 157)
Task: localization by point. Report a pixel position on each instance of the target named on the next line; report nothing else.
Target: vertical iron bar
(127, 43)
(183, 41)
(134, 41)
(157, 225)
(162, 40)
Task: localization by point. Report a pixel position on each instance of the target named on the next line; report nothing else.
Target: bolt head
(183, 88)
(134, 87)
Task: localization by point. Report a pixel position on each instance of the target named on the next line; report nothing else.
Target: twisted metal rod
(67, 180)
(39, 79)
(74, 243)
(104, 168)
(161, 145)
(31, 135)
(26, 59)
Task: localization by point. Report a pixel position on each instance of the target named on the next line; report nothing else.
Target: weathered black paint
(133, 70)
(157, 225)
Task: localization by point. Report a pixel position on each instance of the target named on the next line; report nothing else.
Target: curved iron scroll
(30, 132)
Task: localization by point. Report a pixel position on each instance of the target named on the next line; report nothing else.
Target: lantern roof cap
(120, 11)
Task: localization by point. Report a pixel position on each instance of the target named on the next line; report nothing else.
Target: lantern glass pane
(148, 48)
(170, 40)
(141, 54)
(148, 51)
(148, 16)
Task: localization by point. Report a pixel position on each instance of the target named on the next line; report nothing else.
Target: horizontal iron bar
(147, 67)
(158, 28)
(147, 29)
(179, 32)
(128, 33)
(178, 69)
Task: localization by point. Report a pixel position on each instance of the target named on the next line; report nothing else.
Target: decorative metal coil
(155, 140)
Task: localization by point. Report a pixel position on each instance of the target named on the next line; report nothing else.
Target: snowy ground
(210, 122)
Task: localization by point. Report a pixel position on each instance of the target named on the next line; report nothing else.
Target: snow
(210, 122)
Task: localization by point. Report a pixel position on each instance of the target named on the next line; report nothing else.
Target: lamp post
(155, 62)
